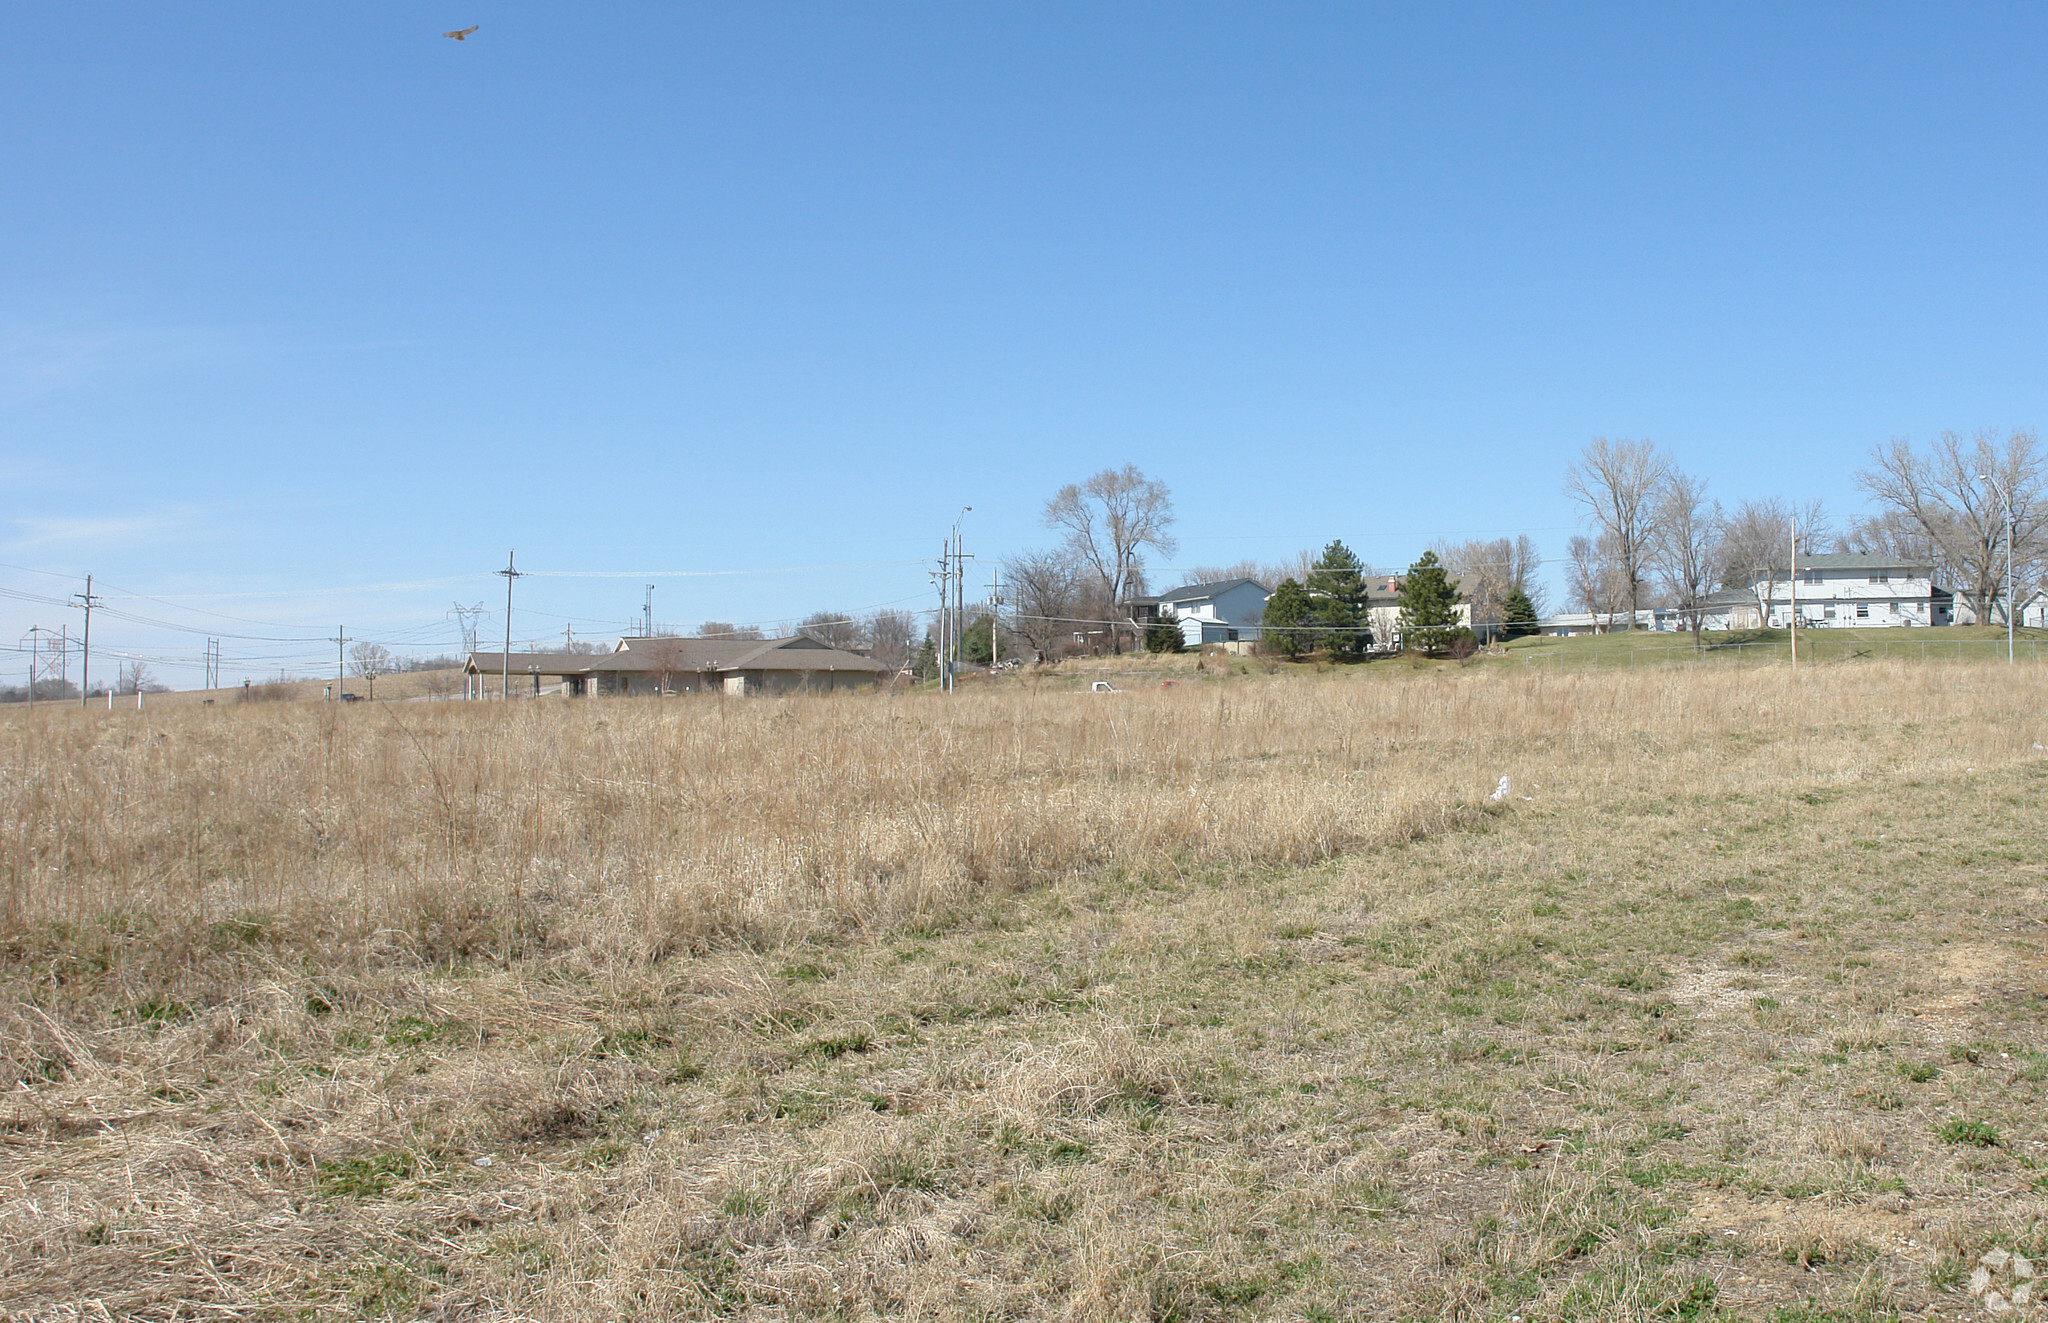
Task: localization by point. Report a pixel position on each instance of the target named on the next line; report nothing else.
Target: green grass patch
(411, 1031)
(158, 1012)
(1955, 1130)
(831, 1049)
(363, 1178)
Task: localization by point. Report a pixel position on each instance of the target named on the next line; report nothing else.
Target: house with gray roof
(1226, 612)
(664, 664)
(1845, 590)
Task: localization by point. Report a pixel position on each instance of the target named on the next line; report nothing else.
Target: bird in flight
(463, 35)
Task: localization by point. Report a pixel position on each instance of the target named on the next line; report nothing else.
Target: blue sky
(308, 314)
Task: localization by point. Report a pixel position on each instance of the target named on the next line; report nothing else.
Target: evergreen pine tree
(1164, 636)
(975, 642)
(1336, 590)
(1287, 610)
(1429, 605)
(1517, 614)
(926, 667)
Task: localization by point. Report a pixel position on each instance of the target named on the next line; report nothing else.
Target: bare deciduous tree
(1266, 574)
(1688, 551)
(1814, 528)
(1594, 578)
(890, 637)
(1756, 549)
(664, 656)
(1109, 522)
(724, 629)
(1488, 570)
(1894, 533)
(1957, 495)
(1618, 483)
(1756, 546)
(1046, 595)
(834, 629)
(370, 660)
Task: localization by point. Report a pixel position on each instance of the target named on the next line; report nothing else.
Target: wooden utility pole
(939, 620)
(511, 573)
(88, 601)
(995, 616)
(1792, 621)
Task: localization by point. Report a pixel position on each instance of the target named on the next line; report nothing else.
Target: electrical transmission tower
(44, 659)
(467, 619)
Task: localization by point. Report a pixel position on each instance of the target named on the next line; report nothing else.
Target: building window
(1895, 608)
(1813, 576)
(1863, 610)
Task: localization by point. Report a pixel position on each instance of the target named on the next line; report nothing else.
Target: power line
(711, 574)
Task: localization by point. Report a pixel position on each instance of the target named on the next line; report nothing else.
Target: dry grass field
(1236, 999)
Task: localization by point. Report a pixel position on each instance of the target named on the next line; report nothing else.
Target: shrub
(1163, 636)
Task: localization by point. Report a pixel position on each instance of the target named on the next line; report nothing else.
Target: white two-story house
(1841, 591)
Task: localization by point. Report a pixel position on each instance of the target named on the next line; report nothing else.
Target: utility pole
(512, 574)
(340, 638)
(1792, 582)
(959, 594)
(647, 615)
(995, 617)
(88, 601)
(939, 621)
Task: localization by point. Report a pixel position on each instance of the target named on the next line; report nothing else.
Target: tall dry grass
(650, 826)
(234, 1089)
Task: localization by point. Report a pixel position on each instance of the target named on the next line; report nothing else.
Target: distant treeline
(46, 691)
